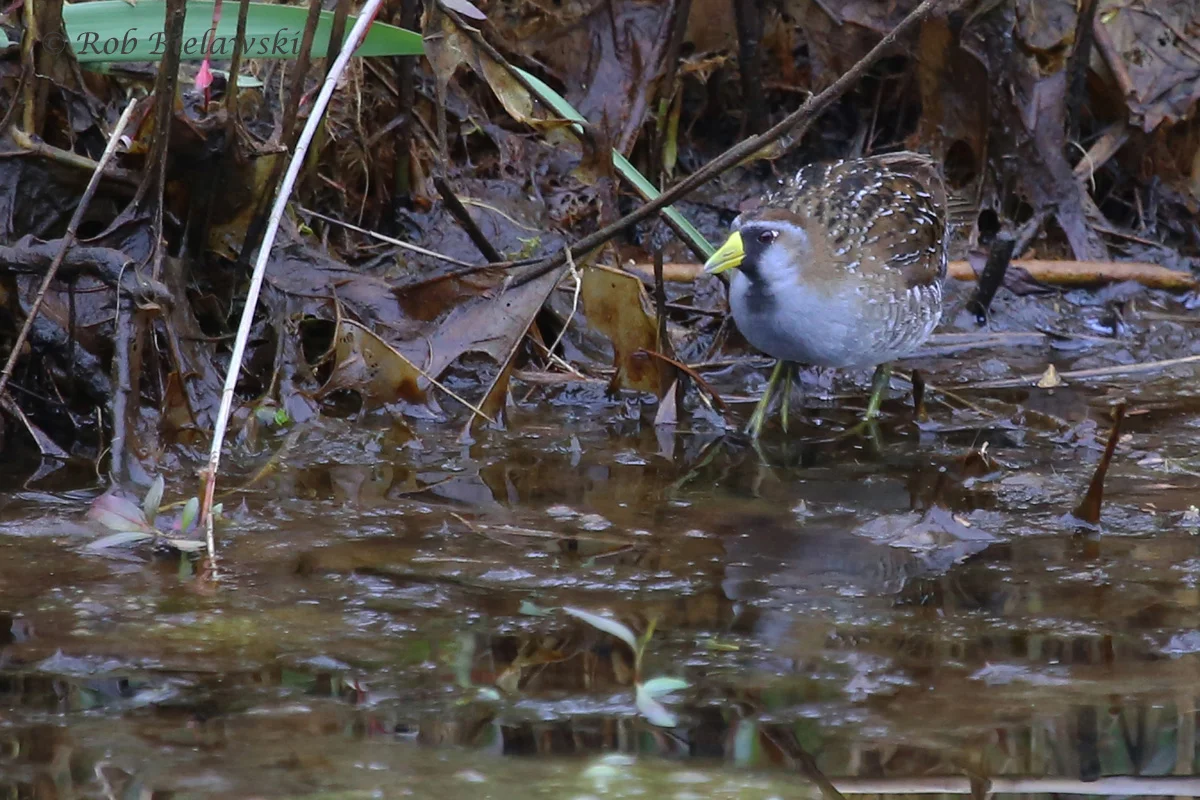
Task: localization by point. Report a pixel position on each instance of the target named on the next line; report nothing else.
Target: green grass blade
(624, 168)
(114, 30)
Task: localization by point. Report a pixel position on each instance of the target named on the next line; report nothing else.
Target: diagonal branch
(797, 121)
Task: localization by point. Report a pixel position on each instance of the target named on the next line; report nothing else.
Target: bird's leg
(754, 426)
(868, 424)
(879, 384)
(789, 378)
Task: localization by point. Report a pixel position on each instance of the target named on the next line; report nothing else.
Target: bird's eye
(766, 237)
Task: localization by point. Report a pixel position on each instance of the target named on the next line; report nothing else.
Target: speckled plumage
(844, 263)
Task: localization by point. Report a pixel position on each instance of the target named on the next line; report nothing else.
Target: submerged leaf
(118, 539)
(605, 624)
(186, 545)
(153, 499)
(532, 609)
(118, 514)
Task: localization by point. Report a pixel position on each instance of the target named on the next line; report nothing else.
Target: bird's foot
(869, 424)
(783, 374)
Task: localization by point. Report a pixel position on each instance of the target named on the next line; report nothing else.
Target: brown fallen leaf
(371, 367)
(617, 306)
(1157, 46)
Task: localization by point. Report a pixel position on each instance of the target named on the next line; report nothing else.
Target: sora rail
(842, 266)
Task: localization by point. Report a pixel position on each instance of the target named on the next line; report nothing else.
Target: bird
(841, 266)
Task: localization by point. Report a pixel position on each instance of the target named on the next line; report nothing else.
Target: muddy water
(903, 615)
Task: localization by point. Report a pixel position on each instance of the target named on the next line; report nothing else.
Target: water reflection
(909, 616)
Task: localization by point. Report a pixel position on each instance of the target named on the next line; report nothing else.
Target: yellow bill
(730, 255)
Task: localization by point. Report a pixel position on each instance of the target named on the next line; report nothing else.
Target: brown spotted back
(882, 218)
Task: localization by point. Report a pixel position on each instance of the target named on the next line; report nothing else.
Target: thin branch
(463, 217)
(992, 277)
(1085, 374)
(357, 33)
(114, 139)
(384, 238)
(795, 123)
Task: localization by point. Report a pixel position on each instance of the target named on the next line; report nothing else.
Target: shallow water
(387, 622)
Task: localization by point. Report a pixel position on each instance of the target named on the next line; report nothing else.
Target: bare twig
(405, 101)
(691, 373)
(666, 86)
(67, 158)
(646, 81)
(748, 17)
(1112, 59)
(291, 111)
(231, 90)
(999, 257)
(1077, 66)
(799, 119)
(1086, 374)
(1066, 272)
(1088, 510)
(398, 243)
(336, 34)
(370, 8)
(67, 240)
(463, 217)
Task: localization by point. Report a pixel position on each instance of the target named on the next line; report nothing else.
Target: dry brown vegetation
(1069, 127)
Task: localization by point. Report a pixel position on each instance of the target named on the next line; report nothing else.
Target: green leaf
(244, 81)
(657, 687)
(114, 30)
(605, 624)
(153, 499)
(624, 168)
(190, 512)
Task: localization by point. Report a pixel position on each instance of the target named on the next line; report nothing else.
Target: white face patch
(782, 261)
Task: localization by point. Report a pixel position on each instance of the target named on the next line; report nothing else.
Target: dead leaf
(1046, 25)
(463, 8)
(370, 366)
(1050, 378)
(451, 47)
(1159, 45)
(616, 305)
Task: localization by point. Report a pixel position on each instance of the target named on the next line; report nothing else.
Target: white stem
(357, 33)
